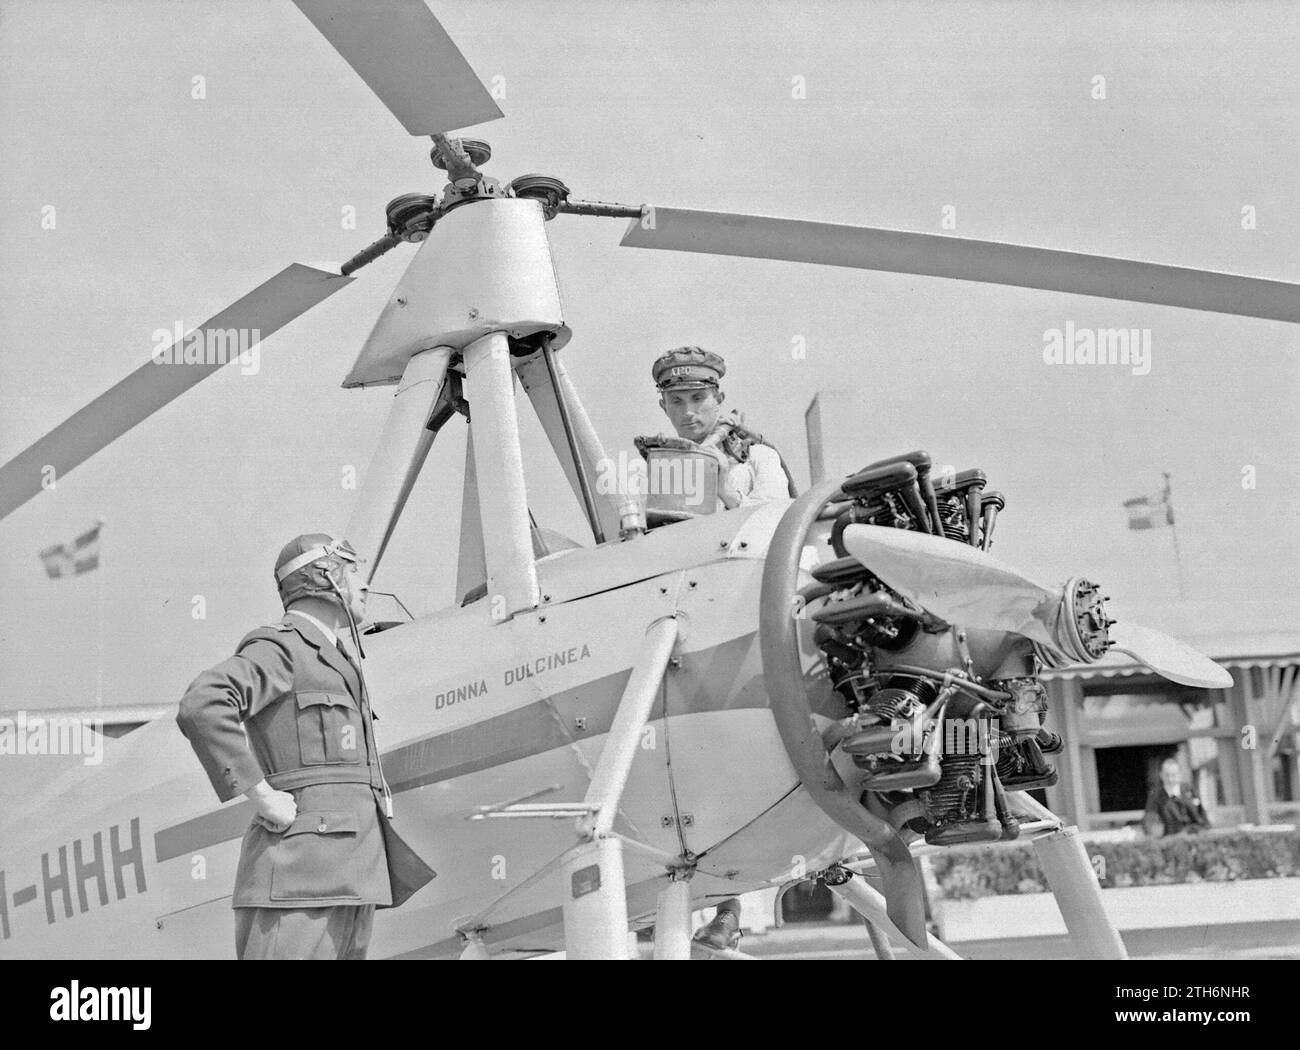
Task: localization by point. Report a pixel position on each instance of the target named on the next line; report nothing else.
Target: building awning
(1123, 668)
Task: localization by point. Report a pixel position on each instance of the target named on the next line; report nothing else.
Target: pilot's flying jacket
(759, 477)
(309, 732)
(755, 473)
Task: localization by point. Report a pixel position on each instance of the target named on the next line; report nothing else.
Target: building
(1237, 747)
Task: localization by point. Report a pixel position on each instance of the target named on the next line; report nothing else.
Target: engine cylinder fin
(842, 571)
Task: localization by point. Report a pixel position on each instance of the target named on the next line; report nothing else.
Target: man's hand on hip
(276, 810)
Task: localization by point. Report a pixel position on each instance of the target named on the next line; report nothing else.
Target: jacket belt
(301, 778)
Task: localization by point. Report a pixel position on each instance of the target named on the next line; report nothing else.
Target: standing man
(750, 471)
(286, 721)
(1174, 805)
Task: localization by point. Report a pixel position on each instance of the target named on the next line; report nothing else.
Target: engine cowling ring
(792, 710)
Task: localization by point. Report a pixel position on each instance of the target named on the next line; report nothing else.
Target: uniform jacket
(759, 478)
(755, 472)
(291, 708)
(1181, 812)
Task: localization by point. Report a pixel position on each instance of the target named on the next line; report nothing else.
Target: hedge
(965, 873)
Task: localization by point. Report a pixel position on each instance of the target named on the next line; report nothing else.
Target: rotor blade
(1169, 657)
(264, 310)
(407, 58)
(956, 582)
(990, 262)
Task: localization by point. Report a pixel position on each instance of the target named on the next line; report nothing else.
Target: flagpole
(1173, 532)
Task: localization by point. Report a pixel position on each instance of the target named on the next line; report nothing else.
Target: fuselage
(135, 858)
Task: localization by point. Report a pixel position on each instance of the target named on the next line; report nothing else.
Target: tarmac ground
(1266, 940)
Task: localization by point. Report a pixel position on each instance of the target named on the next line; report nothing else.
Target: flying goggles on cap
(337, 548)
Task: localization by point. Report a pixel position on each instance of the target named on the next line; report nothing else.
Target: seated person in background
(750, 471)
(1173, 807)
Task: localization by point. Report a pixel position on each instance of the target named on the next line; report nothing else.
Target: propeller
(990, 262)
(402, 52)
(266, 309)
(956, 582)
(1169, 657)
(962, 584)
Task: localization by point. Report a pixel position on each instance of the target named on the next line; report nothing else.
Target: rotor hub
(411, 216)
(478, 151)
(545, 188)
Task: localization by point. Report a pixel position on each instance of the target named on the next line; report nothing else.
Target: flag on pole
(1150, 512)
(73, 559)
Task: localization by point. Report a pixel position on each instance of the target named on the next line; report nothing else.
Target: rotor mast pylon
(479, 300)
(403, 447)
(503, 503)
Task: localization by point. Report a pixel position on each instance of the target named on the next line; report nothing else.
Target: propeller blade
(956, 582)
(266, 309)
(1169, 657)
(400, 50)
(964, 585)
(990, 262)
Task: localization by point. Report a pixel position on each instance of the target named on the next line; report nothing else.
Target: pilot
(750, 470)
(286, 721)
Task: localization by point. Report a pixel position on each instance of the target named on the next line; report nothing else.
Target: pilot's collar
(324, 628)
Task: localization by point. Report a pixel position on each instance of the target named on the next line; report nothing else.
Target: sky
(168, 207)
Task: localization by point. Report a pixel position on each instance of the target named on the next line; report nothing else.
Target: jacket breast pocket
(316, 858)
(329, 729)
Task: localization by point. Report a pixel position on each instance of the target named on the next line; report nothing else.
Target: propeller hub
(1084, 627)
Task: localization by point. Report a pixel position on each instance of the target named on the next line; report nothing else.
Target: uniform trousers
(341, 932)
